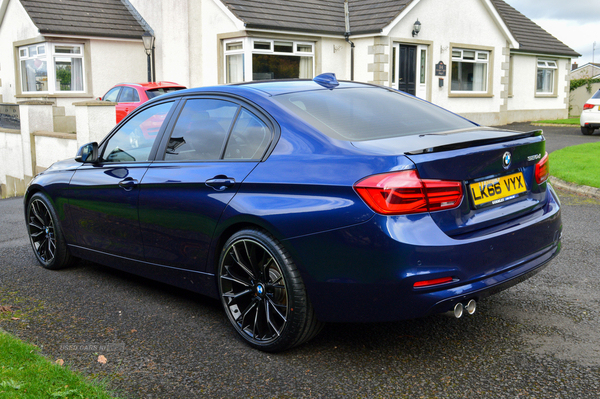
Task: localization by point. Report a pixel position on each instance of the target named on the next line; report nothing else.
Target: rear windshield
(358, 114)
(159, 92)
(597, 95)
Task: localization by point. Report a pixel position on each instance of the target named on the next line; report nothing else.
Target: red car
(130, 95)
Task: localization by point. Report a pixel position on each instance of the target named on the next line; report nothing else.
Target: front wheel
(588, 131)
(45, 234)
(263, 294)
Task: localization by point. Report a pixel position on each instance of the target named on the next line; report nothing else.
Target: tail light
(588, 106)
(542, 170)
(429, 283)
(402, 193)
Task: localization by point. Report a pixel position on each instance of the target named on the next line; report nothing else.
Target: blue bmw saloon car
(302, 202)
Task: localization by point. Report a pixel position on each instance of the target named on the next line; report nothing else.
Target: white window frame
(248, 50)
(50, 56)
(478, 59)
(546, 65)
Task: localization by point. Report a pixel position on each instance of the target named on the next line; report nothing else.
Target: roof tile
(104, 18)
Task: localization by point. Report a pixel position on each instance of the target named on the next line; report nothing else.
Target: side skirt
(196, 281)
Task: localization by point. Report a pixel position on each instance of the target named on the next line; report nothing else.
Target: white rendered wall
(459, 22)
(333, 55)
(52, 149)
(116, 62)
(525, 81)
(11, 156)
(16, 26)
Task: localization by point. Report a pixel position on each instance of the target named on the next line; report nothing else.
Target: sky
(576, 23)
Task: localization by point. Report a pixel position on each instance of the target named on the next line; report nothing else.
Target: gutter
(347, 37)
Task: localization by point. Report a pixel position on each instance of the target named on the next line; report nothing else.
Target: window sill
(548, 95)
(55, 95)
(470, 95)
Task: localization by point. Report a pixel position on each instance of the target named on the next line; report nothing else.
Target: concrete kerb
(554, 125)
(575, 188)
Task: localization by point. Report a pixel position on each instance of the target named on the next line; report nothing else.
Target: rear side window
(129, 95)
(249, 138)
(201, 130)
(597, 95)
(359, 114)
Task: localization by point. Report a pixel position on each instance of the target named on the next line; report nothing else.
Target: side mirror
(88, 153)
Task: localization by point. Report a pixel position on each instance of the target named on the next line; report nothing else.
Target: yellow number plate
(495, 191)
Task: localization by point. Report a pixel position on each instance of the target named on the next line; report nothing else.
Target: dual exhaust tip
(460, 309)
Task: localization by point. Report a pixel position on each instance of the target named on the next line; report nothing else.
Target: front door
(103, 196)
(407, 69)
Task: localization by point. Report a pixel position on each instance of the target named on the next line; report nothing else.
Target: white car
(590, 116)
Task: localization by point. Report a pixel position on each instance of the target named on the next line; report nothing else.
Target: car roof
(273, 87)
(152, 85)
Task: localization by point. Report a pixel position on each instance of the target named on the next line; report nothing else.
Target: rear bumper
(591, 125)
(366, 273)
(590, 119)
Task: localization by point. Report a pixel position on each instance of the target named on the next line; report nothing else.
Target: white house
(479, 58)
(68, 50)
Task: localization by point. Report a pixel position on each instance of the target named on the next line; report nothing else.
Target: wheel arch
(227, 230)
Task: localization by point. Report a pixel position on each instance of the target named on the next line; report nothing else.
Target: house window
(51, 68)
(262, 59)
(422, 66)
(545, 76)
(470, 70)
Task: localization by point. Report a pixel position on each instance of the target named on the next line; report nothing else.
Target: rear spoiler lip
(476, 143)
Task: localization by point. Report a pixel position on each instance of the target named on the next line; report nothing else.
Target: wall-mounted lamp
(416, 28)
(148, 40)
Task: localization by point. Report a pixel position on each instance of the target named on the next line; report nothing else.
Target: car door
(215, 143)
(103, 196)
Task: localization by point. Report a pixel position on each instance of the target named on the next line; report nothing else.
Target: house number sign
(440, 69)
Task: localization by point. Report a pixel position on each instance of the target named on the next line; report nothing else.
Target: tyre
(263, 294)
(588, 131)
(45, 234)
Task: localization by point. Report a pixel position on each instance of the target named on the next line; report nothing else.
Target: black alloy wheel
(263, 294)
(45, 235)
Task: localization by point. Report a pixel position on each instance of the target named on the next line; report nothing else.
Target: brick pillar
(380, 61)
(36, 116)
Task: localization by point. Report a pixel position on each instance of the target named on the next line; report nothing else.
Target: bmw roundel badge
(260, 289)
(506, 159)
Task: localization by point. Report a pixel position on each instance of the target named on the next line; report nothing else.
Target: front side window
(269, 59)
(112, 95)
(134, 140)
(52, 68)
(545, 76)
(470, 70)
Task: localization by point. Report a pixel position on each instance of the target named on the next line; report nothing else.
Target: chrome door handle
(128, 184)
(220, 183)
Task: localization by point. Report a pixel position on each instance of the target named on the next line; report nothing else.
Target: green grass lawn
(26, 374)
(570, 121)
(577, 164)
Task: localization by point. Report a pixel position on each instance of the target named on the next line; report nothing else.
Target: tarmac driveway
(537, 339)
